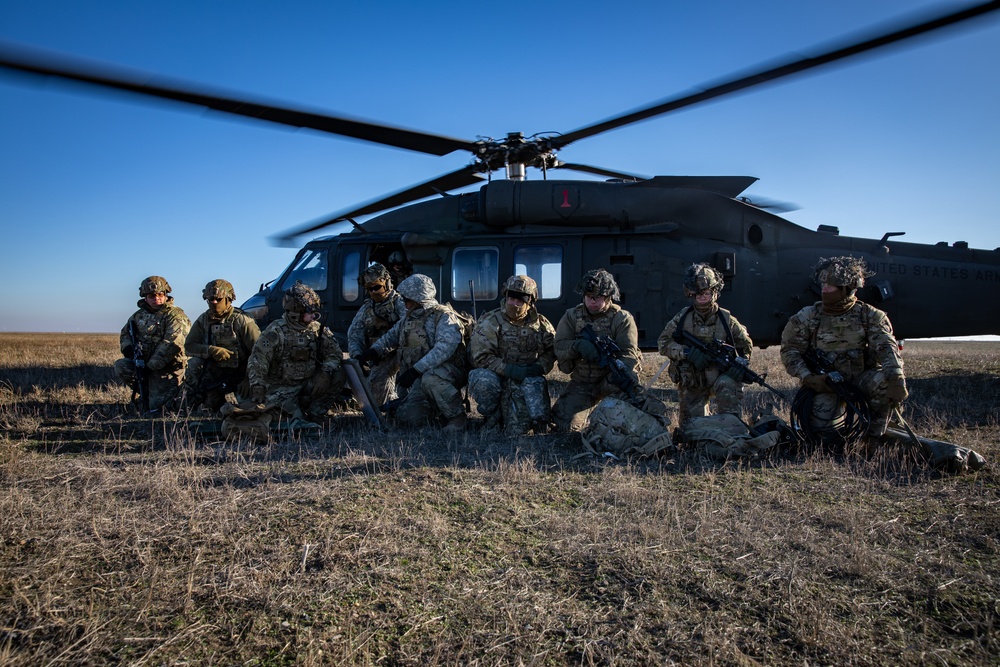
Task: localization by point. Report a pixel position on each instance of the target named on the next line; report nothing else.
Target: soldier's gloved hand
(368, 357)
(129, 352)
(156, 364)
(895, 390)
(631, 378)
(407, 378)
(698, 359)
(586, 349)
(257, 393)
(516, 372)
(535, 370)
(321, 383)
(736, 369)
(219, 353)
(817, 382)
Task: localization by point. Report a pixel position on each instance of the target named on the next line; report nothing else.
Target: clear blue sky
(97, 192)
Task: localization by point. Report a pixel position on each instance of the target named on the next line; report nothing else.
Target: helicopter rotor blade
(774, 73)
(772, 205)
(600, 171)
(29, 62)
(439, 185)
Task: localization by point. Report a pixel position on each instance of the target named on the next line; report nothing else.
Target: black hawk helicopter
(646, 231)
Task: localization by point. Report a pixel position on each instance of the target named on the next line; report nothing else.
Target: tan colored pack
(725, 436)
(620, 429)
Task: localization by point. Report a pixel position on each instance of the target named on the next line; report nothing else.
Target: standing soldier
(399, 267)
(382, 309)
(697, 378)
(153, 339)
(855, 338)
(218, 348)
(511, 351)
(428, 343)
(296, 365)
(589, 379)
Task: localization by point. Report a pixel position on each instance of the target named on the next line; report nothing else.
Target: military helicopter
(645, 230)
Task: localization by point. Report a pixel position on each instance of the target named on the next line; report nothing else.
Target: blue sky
(97, 192)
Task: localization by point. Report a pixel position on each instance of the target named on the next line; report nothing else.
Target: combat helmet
(300, 298)
(522, 286)
(702, 276)
(418, 288)
(397, 257)
(376, 273)
(154, 285)
(219, 289)
(599, 282)
(847, 272)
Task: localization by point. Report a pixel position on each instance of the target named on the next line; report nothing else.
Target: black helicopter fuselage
(646, 233)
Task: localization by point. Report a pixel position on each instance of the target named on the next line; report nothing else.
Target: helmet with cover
(219, 289)
(154, 285)
(418, 288)
(300, 298)
(701, 276)
(599, 282)
(521, 287)
(846, 272)
(377, 282)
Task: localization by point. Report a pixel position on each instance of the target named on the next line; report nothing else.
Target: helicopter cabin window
(350, 290)
(310, 268)
(478, 267)
(543, 264)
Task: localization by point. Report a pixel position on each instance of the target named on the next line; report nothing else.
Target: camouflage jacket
(496, 341)
(161, 334)
(427, 337)
(288, 355)
(705, 328)
(236, 331)
(372, 321)
(856, 341)
(614, 322)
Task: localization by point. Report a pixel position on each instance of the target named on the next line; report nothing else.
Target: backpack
(725, 435)
(466, 323)
(621, 429)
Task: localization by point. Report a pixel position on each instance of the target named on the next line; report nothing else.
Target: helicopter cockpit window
(481, 267)
(310, 268)
(544, 265)
(350, 290)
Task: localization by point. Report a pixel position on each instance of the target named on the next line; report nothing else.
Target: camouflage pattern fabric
(696, 387)
(702, 276)
(288, 360)
(623, 430)
(428, 339)
(517, 407)
(588, 380)
(235, 331)
(371, 322)
(849, 272)
(859, 342)
(599, 282)
(161, 334)
(725, 436)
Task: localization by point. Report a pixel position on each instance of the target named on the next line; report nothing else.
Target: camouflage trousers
(164, 386)
(205, 383)
(693, 398)
(520, 407)
(435, 393)
(304, 400)
(578, 398)
(828, 409)
(382, 379)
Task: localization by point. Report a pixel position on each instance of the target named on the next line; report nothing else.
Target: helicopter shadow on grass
(84, 376)
(958, 399)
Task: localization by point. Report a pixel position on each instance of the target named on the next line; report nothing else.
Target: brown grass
(126, 541)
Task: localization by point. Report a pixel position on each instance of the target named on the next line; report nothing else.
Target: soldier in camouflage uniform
(429, 345)
(382, 309)
(579, 357)
(697, 378)
(161, 328)
(855, 336)
(511, 351)
(399, 267)
(296, 365)
(218, 348)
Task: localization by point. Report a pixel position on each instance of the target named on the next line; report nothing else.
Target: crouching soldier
(697, 377)
(295, 368)
(382, 309)
(152, 345)
(590, 379)
(429, 345)
(511, 351)
(218, 348)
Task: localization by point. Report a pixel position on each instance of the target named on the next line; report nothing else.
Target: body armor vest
(589, 371)
(300, 359)
(518, 343)
(844, 341)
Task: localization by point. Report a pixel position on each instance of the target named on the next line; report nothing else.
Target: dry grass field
(129, 541)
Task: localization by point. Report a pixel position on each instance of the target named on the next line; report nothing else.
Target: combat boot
(455, 425)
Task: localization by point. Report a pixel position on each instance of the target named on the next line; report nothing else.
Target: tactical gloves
(129, 352)
(737, 369)
(817, 382)
(698, 359)
(586, 349)
(518, 372)
(257, 393)
(895, 390)
(407, 378)
(219, 354)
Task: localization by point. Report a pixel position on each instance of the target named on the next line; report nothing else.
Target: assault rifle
(140, 386)
(609, 356)
(728, 358)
